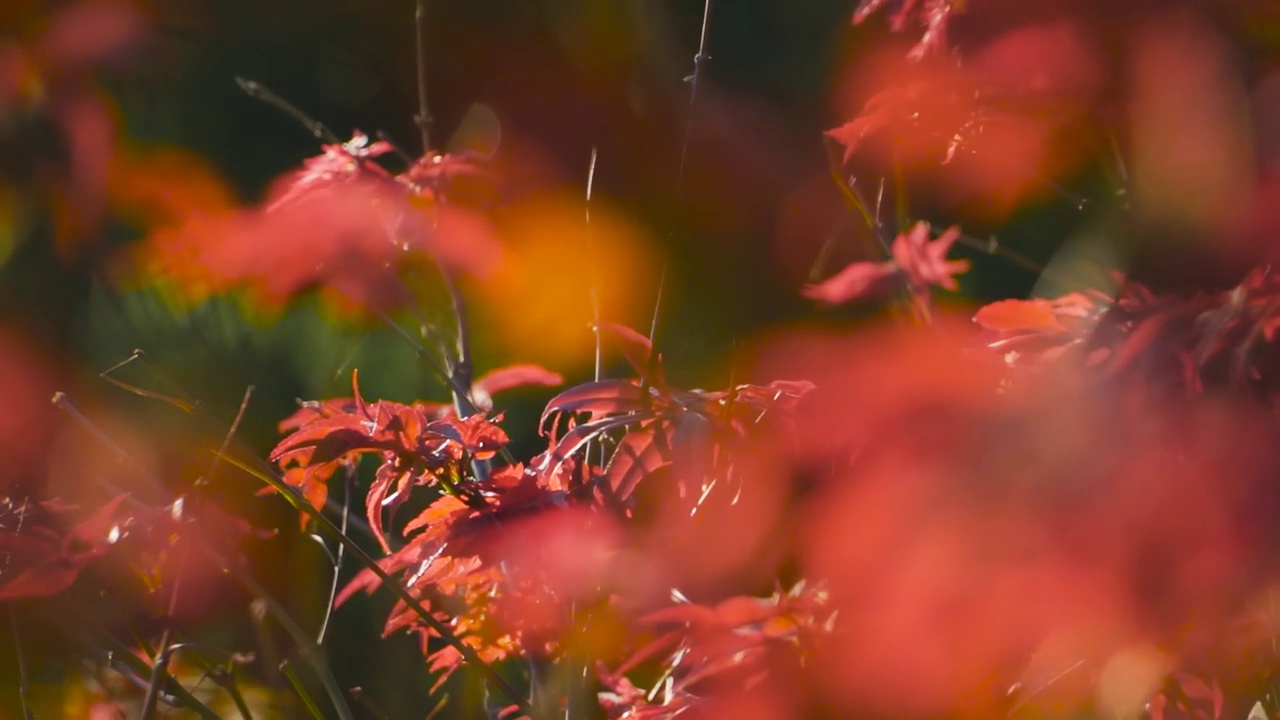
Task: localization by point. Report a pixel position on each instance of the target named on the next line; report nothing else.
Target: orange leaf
(1033, 315)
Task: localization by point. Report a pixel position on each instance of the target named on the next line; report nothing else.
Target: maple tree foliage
(933, 15)
(342, 223)
(1046, 506)
(40, 557)
(917, 264)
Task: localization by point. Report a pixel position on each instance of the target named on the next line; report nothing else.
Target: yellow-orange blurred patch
(164, 186)
(539, 301)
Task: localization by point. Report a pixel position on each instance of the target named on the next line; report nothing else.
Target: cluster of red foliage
(1067, 498)
(343, 224)
(1062, 504)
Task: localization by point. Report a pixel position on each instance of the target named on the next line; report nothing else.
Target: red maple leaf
(39, 559)
(341, 224)
(417, 443)
(918, 263)
(933, 16)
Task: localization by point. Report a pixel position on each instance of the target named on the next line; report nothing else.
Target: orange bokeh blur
(538, 303)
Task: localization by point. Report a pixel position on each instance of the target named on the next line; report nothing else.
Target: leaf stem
(317, 129)
(699, 60)
(469, 655)
(24, 687)
(423, 118)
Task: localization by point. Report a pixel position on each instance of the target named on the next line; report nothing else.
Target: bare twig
(462, 370)
(61, 402)
(395, 147)
(348, 488)
(699, 60)
(303, 695)
(591, 259)
(160, 668)
(185, 403)
(318, 129)
(24, 687)
(309, 650)
(423, 118)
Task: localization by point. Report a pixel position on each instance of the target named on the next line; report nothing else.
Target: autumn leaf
(41, 560)
(924, 261)
(933, 15)
(858, 281)
(1033, 315)
(511, 377)
(341, 224)
(917, 262)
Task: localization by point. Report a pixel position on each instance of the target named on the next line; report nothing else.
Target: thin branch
(591, 260)
(348, 488)
(594, 270)
(231, 432)
(318, 129)
(395, 147)
(24, 687)
(699, 60)
(444, 375)
(423, 118)
(160, 668)
(185, 403)
(310, 651)
(303, 695)
(61, 402)
(462, 371)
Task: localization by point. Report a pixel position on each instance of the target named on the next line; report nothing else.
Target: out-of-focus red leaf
(510, 378)
(1153, 339)
(1033, 315)
(38, 567)
(857, 282)
(888, 109)
(88, 32)
(637, 350)
(41, 561)
(933, 15)
(90, 130)
(924, 261)
(342, 224)
(917, 261)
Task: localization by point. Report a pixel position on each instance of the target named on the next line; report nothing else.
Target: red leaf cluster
(711, 652)
(933, 15)
(342, 224)
(1221, 341)
(37, 556)
(917, 264)
(447, 564)
(991, 127)
(420, 445)
(965, 525)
